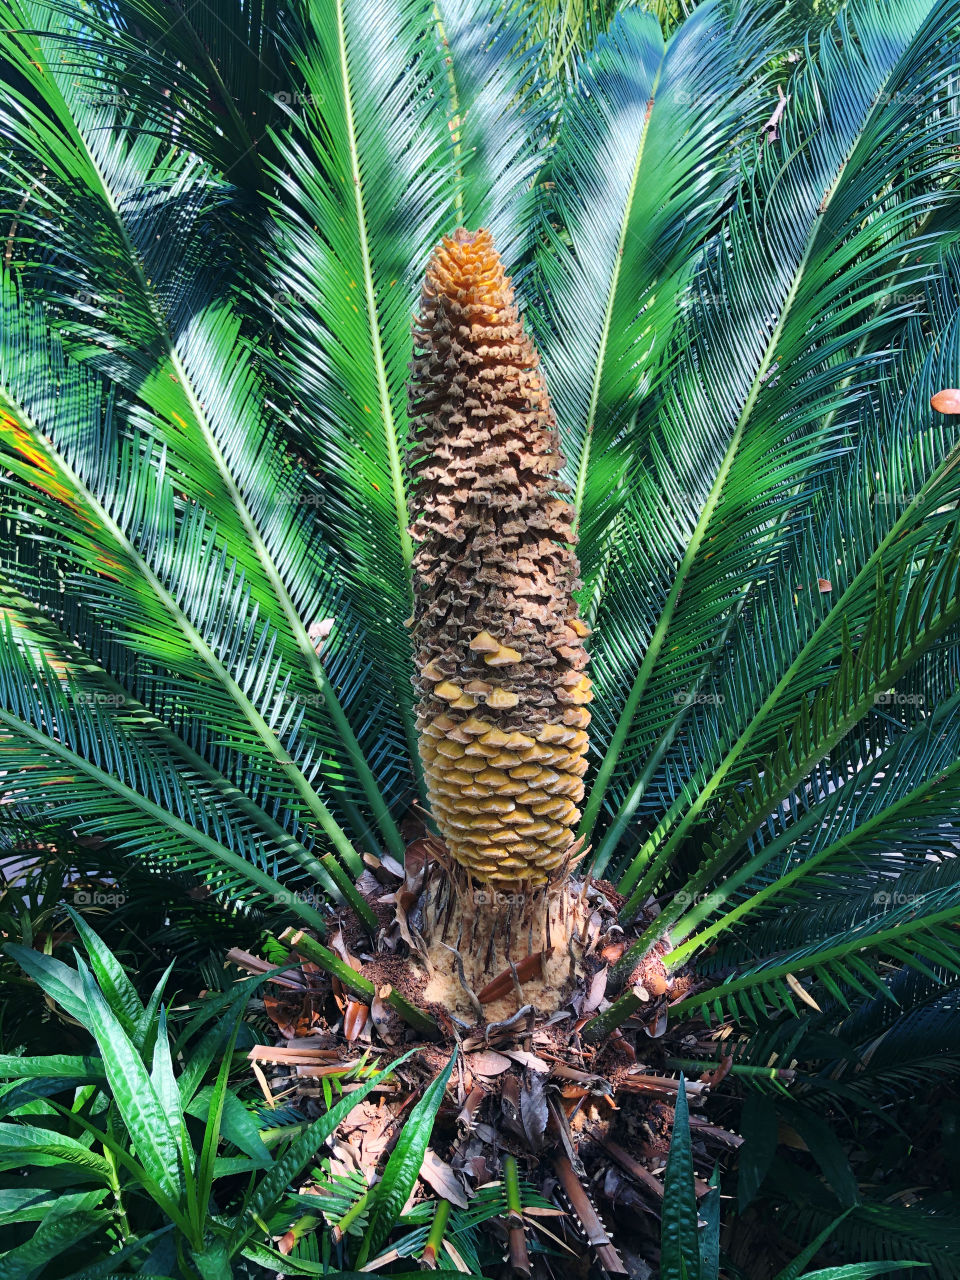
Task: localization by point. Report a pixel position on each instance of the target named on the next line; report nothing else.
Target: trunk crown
(498, 644)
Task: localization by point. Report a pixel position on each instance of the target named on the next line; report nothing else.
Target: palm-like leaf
(811, 208)
(204, 337)
(408, 126)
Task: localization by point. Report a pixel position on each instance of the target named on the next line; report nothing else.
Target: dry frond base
(531, 939)
(589, 1123)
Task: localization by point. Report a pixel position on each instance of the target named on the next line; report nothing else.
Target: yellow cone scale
(499, 648)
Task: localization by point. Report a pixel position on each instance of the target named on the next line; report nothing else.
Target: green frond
(800, 316)
(72, 751)
(928, 1231)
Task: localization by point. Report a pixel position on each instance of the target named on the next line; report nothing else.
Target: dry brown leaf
(354, 1019)
(457, 1257)
(802, 993)
(529, 1060)
(393, 866)
(338, 945)
(438, 1175)
(487, 1063)
(658, 1027)
(596, 991)
(533, 1108)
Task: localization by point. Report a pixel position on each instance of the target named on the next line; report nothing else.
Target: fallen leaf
(385, 1020)
(457, 1257)
(338, 945)
(802, 993)
(354, 1019)
(658, 1027)
(529, 1060)
(486, 1063)
(533, 1108)
(598, 987)
(438, 1174)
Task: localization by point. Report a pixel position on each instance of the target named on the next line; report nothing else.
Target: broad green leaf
(25, 1098)
(148, 1021)
(861, 1270)
(58, 980)
(25, 1144)
(213, 1262)
(236, 1124)
(758, 1126)
(794, 1269)
(153, 1137)
(118, 991)
(206, 1165)
(114, 1264)
(58, 1232)
(679, 1243)
(709, 1212)
(404, 1164)
(33, 1204)
(55, 1065)
(827, 1150)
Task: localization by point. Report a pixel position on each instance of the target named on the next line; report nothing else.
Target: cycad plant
(220, 510)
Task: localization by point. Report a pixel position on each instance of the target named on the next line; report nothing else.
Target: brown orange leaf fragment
(946, 401)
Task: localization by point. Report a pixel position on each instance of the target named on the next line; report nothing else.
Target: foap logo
(287, 298)
(690, 698)
(291, 897)
(687, 899)
(98, 898)
(302, 498)
(298, 701)
(891, 498)
(900, 97)
(493, 897)
(103, 99)
(683, 98)
(893, 898)
(286, 99)
(91, 300)
(88, 698)
(891, 698)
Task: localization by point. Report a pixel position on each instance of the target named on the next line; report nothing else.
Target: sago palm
(267, 621)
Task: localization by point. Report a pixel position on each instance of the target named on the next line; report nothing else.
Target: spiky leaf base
(498, 644)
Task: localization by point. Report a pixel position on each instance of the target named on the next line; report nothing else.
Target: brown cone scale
(499, 647)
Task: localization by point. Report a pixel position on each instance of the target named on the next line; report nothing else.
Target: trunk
(498, 644)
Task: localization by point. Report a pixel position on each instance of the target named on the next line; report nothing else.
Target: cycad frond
(724, 428)
(356, 220)
(73, 752)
